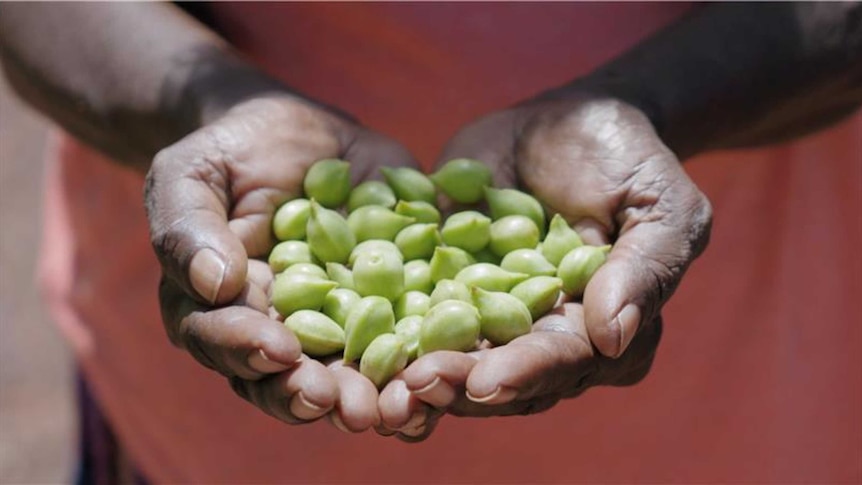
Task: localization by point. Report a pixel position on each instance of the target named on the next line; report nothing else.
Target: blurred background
(37, 407)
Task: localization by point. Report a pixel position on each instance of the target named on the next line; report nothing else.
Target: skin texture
(238, 143)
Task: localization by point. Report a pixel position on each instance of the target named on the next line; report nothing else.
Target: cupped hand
(599, 163)
(210, 200)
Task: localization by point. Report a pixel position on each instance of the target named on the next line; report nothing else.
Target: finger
(235, 341)
(187, 200)
(356, 410)
(422, 431)
(439, 377)
(659, 238)
(301, 394)
(399, 408)
(556, 360)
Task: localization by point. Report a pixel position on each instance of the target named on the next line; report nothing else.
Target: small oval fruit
(294, 292)
(288, 253)
(309, 269)
(338, 303)
(380, 274)
(408, 329)
(290, 220)
(374, 246)
(412, 303)
(376, 222)
(560, 240)
(503, 317)
(317, 333)
(468, 230)
(513, 232)
(579, 265)
(340, 274)
(539, 294)
(422, 211)
(410, 184)
(489, 277)
(510, 202)
(449, 290)
(370, 317)
(449, 325)
(528, 261)
(371, 192)
(463, 179)
(446, 262)
(328, 182)
(418, 241)
(385, 356)
(417, 276)
(328, 235)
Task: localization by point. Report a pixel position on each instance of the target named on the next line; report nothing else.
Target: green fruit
(338, 303)
(408, 329)
(376, 246)
(446, 262)
(309, 269)
(422, 211)
(528, 261)
(513, 232)
(560, 240)
(371, 192)
(340, 274)
(370, 317)
(385, 356)
(468, 230)
(503, 317)
(489, 277)
(539, 294)
(316, 332)
(449, 325)
(579, 265)
(417, 276)
(376, 222)
(412, 303)
(328, 182)
(299, 292)
(410, 184)
(290, 220)
(288, 253)
(463, 179)
(510, 202)
(329, 236)
(380, 274)
(418, 241)
(449, 290)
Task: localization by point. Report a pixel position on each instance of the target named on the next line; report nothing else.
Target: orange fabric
(758, 377)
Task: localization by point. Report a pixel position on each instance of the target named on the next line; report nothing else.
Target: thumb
(187, 201)
(653, 251)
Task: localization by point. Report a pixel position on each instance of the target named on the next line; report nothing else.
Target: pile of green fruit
(387, 283)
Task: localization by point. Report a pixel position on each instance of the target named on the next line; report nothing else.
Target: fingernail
(628, 320)
(302, 409)
(438, 393)
(501, 395)
(335, 419)
(413, 432)
(417, 419)
(206, 273)
(258, 361)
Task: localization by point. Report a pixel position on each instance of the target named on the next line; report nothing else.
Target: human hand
(600, 163)
(210, 199)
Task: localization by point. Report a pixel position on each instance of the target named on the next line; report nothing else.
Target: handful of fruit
(387, 283)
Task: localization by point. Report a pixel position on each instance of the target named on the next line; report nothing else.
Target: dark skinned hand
(210, 200)
(598, 162)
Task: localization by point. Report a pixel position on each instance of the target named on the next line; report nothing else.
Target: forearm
(735, 74)
(127, 78)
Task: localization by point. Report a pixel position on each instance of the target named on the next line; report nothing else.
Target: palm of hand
(601, 165)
